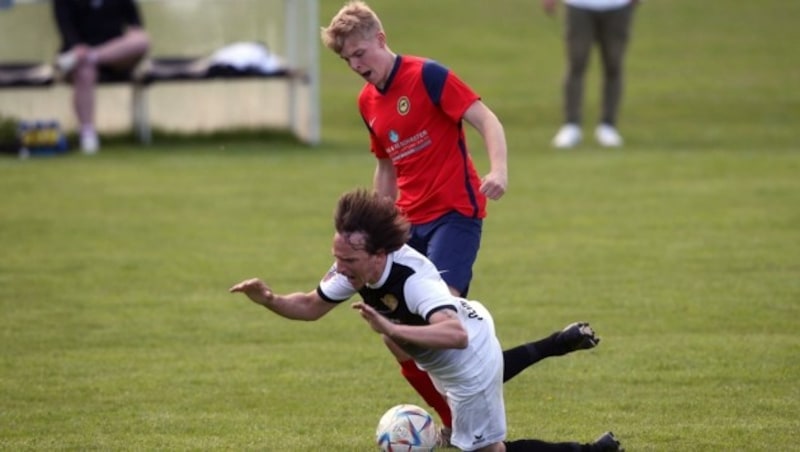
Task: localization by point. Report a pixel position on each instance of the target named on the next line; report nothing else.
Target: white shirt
(597, 5)
(409, 291)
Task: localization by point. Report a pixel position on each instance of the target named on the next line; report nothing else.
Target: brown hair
(375, 216)
(355, 17)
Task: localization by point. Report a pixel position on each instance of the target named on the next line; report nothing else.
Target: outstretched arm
(295, 306)
(479, 116)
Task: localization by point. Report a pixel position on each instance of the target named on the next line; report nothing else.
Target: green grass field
(682, 249)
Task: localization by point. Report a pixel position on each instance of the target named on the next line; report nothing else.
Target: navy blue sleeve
(434, 76)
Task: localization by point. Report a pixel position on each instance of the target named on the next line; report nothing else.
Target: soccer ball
(406, 428)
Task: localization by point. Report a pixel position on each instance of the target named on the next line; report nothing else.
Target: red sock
(421, 382)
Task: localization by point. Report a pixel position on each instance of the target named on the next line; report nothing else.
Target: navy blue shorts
(451, 242)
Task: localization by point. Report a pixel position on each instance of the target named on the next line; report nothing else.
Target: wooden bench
(299, 69)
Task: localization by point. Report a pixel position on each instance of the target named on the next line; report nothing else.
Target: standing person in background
(414, 109)
(607, 23)
(100, 38)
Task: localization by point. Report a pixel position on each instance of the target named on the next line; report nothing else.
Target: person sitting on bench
(101, 40)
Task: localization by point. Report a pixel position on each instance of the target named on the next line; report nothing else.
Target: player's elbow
(309, 317)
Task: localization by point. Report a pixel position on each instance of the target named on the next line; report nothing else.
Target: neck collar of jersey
(396, 67)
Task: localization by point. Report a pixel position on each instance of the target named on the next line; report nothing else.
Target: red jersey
(416, 122)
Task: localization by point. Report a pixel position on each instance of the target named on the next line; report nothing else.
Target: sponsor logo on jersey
(471, 312)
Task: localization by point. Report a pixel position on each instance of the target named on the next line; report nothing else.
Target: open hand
(379, 323)
(255, 289)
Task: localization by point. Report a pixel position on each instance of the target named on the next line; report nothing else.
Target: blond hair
(355, 18)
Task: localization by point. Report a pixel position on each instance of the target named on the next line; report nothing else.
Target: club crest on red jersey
(403, 105)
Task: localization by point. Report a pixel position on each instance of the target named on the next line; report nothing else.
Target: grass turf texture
(681, 249)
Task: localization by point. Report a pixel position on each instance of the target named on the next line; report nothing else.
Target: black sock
(517, 359)
(551, 346)
(535, 445)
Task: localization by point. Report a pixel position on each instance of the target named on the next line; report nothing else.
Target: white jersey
(409, 292)
(598, 5)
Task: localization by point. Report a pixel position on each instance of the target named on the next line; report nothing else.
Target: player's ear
(381, 37)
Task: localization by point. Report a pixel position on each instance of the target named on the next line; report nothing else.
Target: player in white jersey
(405, 299)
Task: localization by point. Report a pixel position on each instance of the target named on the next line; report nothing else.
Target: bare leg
(125, 52)
(121, 54)
(84, 80)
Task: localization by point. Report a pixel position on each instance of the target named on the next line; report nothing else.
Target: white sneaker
(608, 136)
(568, 136)
(90, 144)
(66, 61)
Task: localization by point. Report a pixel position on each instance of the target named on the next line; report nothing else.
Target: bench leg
(141, 123)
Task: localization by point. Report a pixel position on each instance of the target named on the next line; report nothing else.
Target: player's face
(367, 57)
(353, 262)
